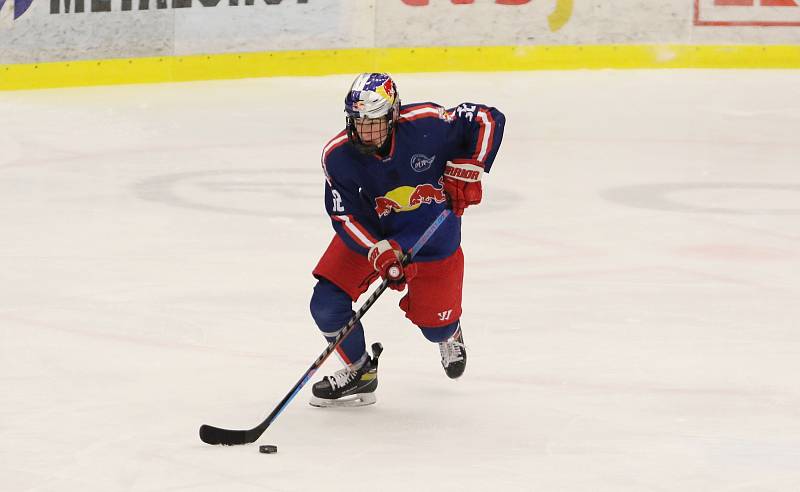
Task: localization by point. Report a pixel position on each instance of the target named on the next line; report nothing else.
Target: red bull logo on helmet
(408, 198)
(388, 89)
(381, 84)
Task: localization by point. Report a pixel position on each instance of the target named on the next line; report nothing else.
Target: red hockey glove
(462, 183)
(385, 258)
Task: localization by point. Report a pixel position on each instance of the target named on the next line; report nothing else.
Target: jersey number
(467, 111)
(337, 201)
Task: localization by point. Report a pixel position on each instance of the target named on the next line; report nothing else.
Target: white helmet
(372, 95)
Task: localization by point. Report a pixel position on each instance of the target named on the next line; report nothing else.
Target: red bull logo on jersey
(446, 115)
(408, 198)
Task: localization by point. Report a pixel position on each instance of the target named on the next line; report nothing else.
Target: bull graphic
(408, 198)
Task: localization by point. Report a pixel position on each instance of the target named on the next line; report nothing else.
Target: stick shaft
(216, 435)
(350, 326)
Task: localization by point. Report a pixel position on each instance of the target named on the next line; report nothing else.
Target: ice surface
(630, 302)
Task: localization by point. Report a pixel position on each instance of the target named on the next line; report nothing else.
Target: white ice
(630, 302)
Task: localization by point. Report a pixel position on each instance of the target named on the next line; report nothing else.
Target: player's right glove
(385, 257)
(462, 183)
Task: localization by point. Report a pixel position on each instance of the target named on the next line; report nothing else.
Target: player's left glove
(462, 183)
(385, 257)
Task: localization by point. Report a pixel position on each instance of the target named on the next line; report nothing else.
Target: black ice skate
(349, 387)
(454, 355)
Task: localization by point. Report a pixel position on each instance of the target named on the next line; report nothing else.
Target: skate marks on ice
(711, 198)
(275, 193)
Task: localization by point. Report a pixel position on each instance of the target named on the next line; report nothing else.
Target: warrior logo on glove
(462, 182)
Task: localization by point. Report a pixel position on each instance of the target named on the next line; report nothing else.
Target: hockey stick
(228, 437)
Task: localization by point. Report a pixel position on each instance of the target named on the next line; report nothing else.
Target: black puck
(268, 449)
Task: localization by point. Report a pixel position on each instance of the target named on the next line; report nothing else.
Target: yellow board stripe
(394, 60)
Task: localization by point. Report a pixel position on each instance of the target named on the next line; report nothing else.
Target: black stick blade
(215, 435)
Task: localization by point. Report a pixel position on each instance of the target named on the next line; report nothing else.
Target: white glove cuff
(378, 249)
(471, 173)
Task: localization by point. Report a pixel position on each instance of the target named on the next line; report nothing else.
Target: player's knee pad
(330, 306)
(440, 333)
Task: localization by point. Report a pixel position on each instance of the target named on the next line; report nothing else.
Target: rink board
(64, 43)
(396, 60)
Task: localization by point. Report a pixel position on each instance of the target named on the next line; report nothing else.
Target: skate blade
(359, 400)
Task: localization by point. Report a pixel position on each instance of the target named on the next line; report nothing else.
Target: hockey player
(388, 176)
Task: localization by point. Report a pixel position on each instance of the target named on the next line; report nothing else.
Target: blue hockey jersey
(370, 197)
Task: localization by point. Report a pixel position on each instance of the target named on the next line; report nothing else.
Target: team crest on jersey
(421, 163)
